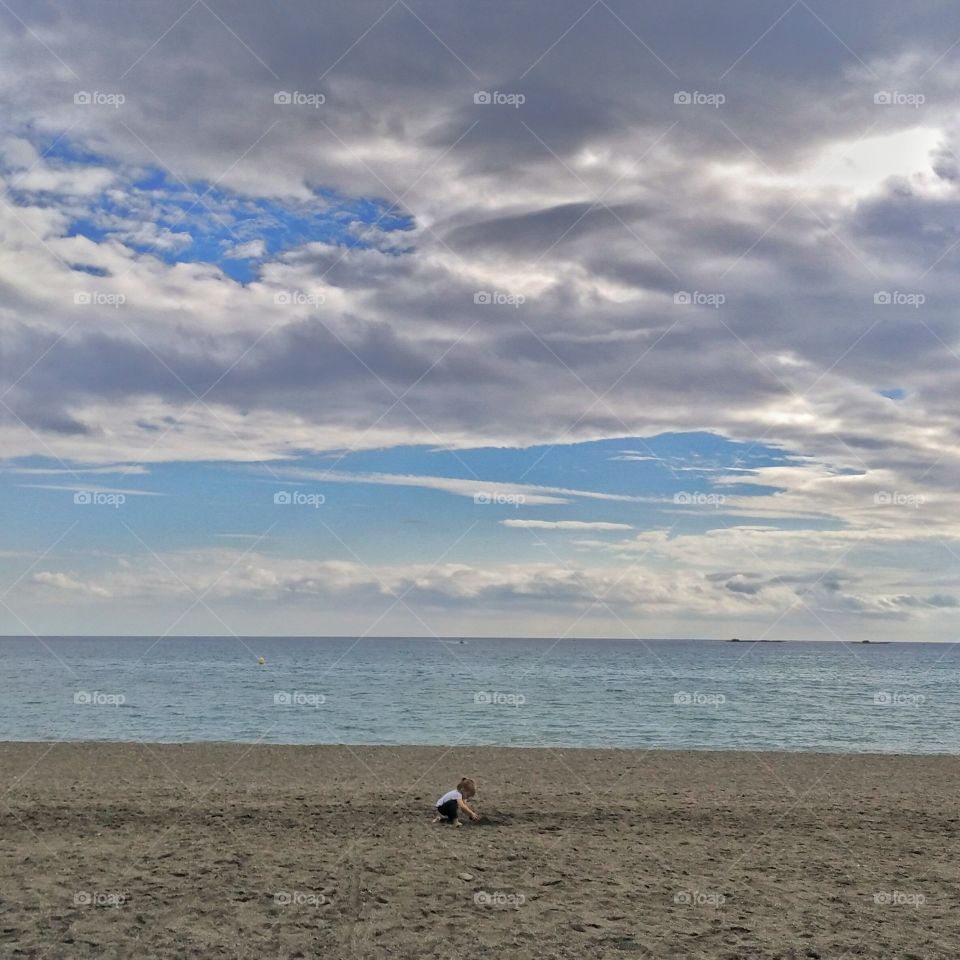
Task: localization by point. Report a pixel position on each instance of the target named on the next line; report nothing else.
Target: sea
(656, 694)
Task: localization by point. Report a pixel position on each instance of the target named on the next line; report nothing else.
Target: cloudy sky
(428, 317)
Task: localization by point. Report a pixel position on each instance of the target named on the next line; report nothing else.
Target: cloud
(65, 583)
(564, 525)
(77, 487)
(252, 248)
(590, 263)
(126, 469)
(585, 597)
(785, 188)
(481, 491)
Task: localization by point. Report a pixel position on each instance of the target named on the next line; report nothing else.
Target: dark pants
(448, 811)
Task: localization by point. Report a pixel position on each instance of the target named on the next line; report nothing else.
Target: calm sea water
(901, 698)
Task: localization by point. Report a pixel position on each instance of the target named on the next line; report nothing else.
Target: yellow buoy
(261, 661)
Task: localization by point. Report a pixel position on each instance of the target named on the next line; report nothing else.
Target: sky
(432, 318)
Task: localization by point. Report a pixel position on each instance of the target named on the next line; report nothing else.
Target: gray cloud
(785, 216)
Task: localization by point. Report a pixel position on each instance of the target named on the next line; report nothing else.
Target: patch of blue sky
(154, 213)
(205, 505)
(654, 466)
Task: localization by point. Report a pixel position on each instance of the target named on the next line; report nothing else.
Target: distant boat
(761, 640)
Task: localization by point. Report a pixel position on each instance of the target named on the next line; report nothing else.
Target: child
(453, 801)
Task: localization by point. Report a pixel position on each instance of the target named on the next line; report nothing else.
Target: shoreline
(245, 850)
(465, 745)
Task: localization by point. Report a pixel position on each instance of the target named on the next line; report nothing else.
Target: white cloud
(565, 525)
(77, 487)
(481, 491)
(253, 248)
(587, 600)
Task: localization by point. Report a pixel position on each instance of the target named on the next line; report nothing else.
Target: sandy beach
(125, 850)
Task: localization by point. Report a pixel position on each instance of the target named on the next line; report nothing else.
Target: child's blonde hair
(467, 786)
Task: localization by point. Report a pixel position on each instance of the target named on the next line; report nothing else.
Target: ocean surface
(887, 698)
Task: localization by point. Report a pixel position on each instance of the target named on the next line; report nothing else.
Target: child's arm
(470, 813)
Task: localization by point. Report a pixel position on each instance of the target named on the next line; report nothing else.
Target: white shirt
(449, 795)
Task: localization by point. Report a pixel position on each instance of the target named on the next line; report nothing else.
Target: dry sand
(124, 850)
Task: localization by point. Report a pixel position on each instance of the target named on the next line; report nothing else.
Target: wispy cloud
(532, 495)
(565, 525)
(80, 487)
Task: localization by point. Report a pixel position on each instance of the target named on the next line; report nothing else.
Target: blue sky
(587, 357)
(198, 221)
(186, 506)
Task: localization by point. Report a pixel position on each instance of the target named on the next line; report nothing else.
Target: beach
(115, 850)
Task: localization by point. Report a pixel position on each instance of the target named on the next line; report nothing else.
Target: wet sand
(209, 851)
